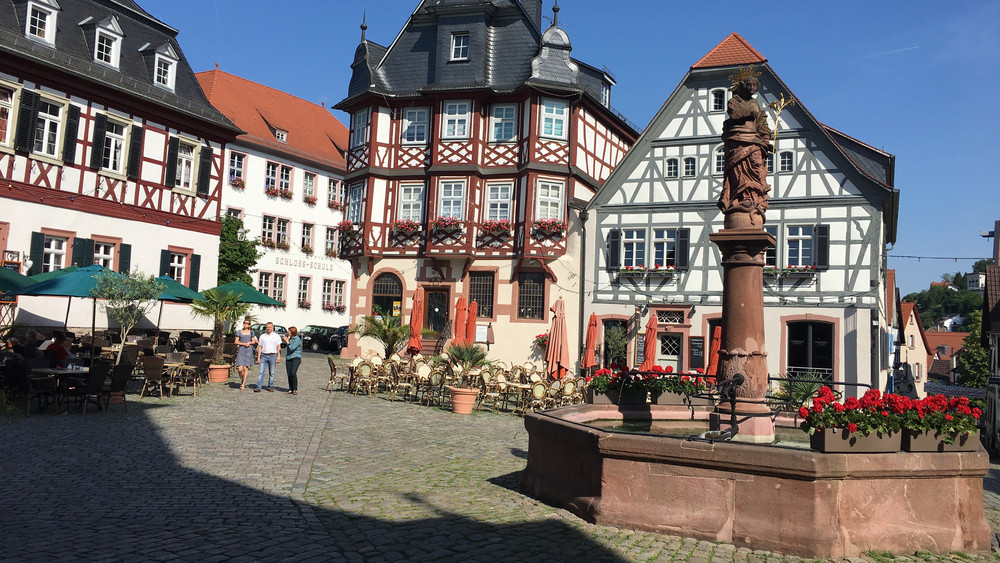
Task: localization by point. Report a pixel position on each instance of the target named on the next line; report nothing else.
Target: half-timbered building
(284, 180)
(475, 142)
(109, 152)
(832, 213)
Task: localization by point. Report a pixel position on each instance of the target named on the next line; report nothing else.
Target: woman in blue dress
(293, 357)
(245, 341)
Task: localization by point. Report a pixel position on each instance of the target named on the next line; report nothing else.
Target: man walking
(268, 356)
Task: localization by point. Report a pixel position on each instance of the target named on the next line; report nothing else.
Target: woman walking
(293, 357)
(245, 340)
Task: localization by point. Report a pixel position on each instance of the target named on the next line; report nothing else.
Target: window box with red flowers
(667, 388)
(496, 227)
(331, 252)
(632, 271)
(340, 308)
(271, 191)
(608, 387)
(871, 424)
(939, 424)
(281, 245)
(661, 271)
(267, 243)
(542, 340)
(285, 194)
(307, 249)
(347, 226)
(309, 199)
(238, 183)
(327, 306)
(335, 205)
(405, 227)
(550, 227)
(790, 271)
(305, 305)
(446, 224)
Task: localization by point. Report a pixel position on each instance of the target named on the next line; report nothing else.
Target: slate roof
(731, 51)
(874, 163)
(314, 133)
(504, 41)
(73, 53)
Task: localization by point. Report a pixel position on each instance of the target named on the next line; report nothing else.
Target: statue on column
(747, 140)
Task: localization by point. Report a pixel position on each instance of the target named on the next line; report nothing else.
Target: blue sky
(916, 79)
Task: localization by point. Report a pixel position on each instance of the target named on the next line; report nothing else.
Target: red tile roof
(314, 134)
(953, 341)
(733, 50)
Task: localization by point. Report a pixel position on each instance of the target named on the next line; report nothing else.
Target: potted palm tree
(460, 360)
(384, 329)
(222, 307)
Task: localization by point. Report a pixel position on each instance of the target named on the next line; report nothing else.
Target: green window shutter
(205, 170)
(83, 252)
(822, 247)
(683, 249)
(134, 152)
(72, 128)
(195, 272)
(614, 249)
(164, 262)
(124, 258)
(97, 147)
(171, 176)
(26, 123)
(36, 251)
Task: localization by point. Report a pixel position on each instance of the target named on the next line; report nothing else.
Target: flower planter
(932, 442)
(218, 373)
(836, 440)
(463, 399)
(616, 397)
(678, 399)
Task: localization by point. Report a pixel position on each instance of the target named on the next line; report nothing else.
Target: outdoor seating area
(515, 389)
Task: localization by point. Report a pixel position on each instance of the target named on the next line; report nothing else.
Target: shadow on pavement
(92, 487)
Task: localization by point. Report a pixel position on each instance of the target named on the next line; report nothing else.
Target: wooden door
(437, 310)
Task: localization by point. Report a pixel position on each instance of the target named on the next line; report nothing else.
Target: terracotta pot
(836, 440)
(463, 399)
(679, 399)
(218, 373)
(616, 397)
(932, 442)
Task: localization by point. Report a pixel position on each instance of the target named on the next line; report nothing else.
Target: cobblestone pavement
(266, 476)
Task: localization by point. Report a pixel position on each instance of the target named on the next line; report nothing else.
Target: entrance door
(437, 310)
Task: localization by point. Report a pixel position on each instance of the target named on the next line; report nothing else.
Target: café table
(58, 377)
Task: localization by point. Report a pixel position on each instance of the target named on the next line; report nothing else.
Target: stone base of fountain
(787, 500)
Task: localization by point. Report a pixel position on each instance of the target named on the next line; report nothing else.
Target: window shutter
(171, 175)
(97, 147)
(614, 249)
(164, 262)
(36, 251)
(69, 140)
(83, 252)
(822, 247)
(205, 170)
(683, 249)
(134, 152)
(195, 272)
(124, 258)
(26, 123)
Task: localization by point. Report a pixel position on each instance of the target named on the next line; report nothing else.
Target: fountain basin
(788, 500)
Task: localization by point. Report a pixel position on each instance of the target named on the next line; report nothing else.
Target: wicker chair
(337, 377)
(120, 377)
(538, 398)
(154, 376)
(366, 378)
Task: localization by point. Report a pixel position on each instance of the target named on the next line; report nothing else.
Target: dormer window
(605, 95)
(459, 46)
(41, 21)
(281, 136)
(164, 72)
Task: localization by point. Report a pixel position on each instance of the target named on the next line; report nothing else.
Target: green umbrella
(248, 294)
(173, 291)
(10, 280)
(72, 282)
(53, 274)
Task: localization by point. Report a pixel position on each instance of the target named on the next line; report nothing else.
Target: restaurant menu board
(640, 348)
(481, 332)
(8, 296)
(696, 358)
(12, 265)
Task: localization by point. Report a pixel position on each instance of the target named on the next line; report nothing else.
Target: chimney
(534, 10)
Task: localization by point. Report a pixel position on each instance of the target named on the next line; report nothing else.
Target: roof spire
(364, 25)
(555, 14)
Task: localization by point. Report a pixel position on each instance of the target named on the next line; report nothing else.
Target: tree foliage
(972, 363)
(384, 329)
(221, 307)
(980, 265)
(237, 258)
(127, 297)
(938, 302)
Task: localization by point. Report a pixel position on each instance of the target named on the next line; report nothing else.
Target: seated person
(30, 347)
(62, 355)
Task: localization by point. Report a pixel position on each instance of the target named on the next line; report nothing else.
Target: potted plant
(405, 226)
(238, 183)
(608, 387)
(871, 424)
(677, 389)
(285, 194)
(550, 227)
(267, 243)
(305, 305)
(281, 245)
(939, 424)
(307, 249)
(346, 226)
(496, 226)
(309, 199)
(446, 224)
(384, 329)
(271, 191)
(541, 340)
(331, 252)
(221, 307)
(460, 360)
(335, 205)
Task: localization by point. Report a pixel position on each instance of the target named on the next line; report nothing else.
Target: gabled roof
(909, 308)
(731, 51)
(314, 134)
(954, 341)
(73, 54)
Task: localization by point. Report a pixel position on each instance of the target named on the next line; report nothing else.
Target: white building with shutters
(109, 152)
(832, 212)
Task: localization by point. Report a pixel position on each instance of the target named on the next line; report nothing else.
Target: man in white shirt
(268, 355)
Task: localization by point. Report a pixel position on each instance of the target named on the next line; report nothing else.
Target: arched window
(387, 295)
(720, 160)
(810, 349)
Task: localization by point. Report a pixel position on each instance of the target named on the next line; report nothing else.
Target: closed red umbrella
(458, 326)
(416, 323)
(557, 351)
(470, 324)
(713, 352)
(588, 360)
(652, 342)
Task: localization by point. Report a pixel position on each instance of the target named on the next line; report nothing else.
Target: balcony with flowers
(350, 239)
